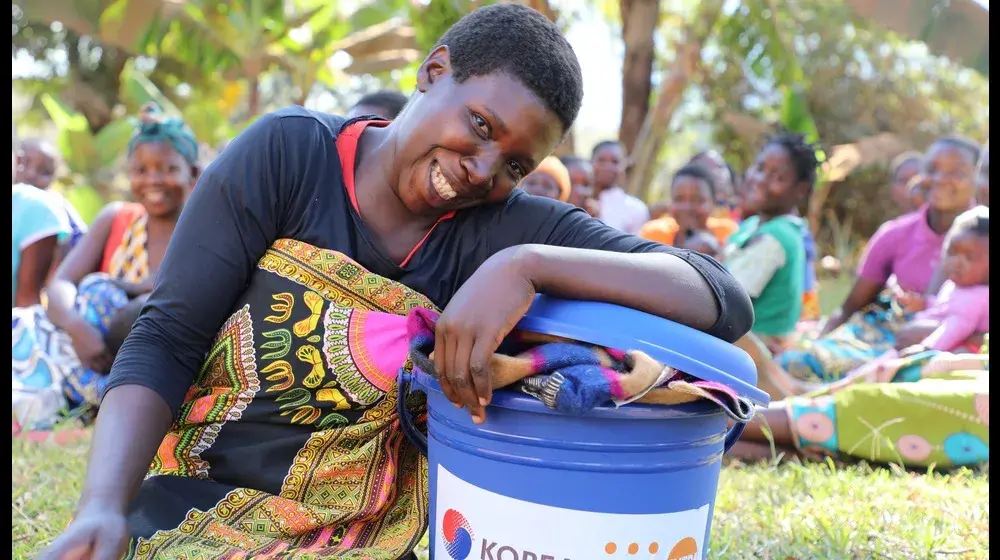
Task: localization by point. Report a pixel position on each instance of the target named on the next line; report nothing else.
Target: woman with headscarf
(550, 179)
(59, 352)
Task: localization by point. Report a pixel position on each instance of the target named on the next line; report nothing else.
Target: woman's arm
(937, 280)
(875, 269)
(862, 293)
(527, 220)
(32, 270)
(82, 259)
(657, 283)
(490, 303)
(130, 426)
(755, 265)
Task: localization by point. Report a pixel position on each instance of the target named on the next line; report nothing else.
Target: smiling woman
(58, 351)
(266, 342)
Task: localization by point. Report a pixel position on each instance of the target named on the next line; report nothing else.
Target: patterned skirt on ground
(869, 334)
(935, 411)
(47, 377)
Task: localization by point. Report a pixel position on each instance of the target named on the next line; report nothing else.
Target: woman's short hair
(522, 43)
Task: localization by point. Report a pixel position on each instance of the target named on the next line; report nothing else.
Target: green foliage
(432, 20)
(856, 80)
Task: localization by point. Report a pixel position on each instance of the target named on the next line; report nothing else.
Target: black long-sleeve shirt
(282, 178)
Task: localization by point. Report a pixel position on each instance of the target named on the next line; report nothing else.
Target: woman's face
(712, 160)
(471, 143)
(160, 178)
(967, 261)
(901, 194)
(609, 166)
(771, 186)
(950, 174)
(36, 166)
(581, 177)
(691, 202)
(541, 184)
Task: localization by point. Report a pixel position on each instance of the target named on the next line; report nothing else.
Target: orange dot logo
(685, 549)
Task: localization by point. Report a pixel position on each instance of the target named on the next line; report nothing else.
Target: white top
(622, 211)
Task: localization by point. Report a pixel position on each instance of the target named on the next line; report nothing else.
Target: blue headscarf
(154, 126)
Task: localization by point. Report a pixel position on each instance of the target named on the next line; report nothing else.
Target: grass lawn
(787, 512)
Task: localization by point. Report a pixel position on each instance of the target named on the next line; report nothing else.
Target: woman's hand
(911, 302)
(97, 533)
(90, 347)
(472, 326)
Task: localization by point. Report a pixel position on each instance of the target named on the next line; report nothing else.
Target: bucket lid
(672, 344)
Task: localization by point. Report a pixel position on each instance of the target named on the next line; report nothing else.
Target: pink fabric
(379, 344)
(905, 247)
(962, 312)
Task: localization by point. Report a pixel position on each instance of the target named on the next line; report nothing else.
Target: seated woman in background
(244, 392)
(907, 248)
(37, 162)
(127, 242)
(931, 408)
(692, 201)
(766, 254)
(943, 322)
(550, 179)
(37, 223)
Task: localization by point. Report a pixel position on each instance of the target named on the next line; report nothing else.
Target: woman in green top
(766, 255)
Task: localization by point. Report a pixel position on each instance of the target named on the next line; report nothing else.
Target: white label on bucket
(476, 524)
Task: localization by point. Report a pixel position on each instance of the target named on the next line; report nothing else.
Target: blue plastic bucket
(637, 481)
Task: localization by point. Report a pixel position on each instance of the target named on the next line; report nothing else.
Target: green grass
(789, 512)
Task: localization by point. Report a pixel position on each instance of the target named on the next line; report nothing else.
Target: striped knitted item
(575, 377)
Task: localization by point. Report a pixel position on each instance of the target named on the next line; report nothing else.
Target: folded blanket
(575, 377)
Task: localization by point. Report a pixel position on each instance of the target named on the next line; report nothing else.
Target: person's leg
(772, 420)
(770, 377)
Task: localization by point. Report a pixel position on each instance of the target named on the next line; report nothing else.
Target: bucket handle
(419, 440)
(413, 434)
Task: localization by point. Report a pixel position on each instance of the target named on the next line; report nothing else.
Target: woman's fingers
(69, 548)
(479, 368)
(461, 378)
(440, 353)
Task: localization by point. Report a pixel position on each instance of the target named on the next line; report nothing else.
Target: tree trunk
(543, 7)
(657, 122)
(639, 21)
(253, 103)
